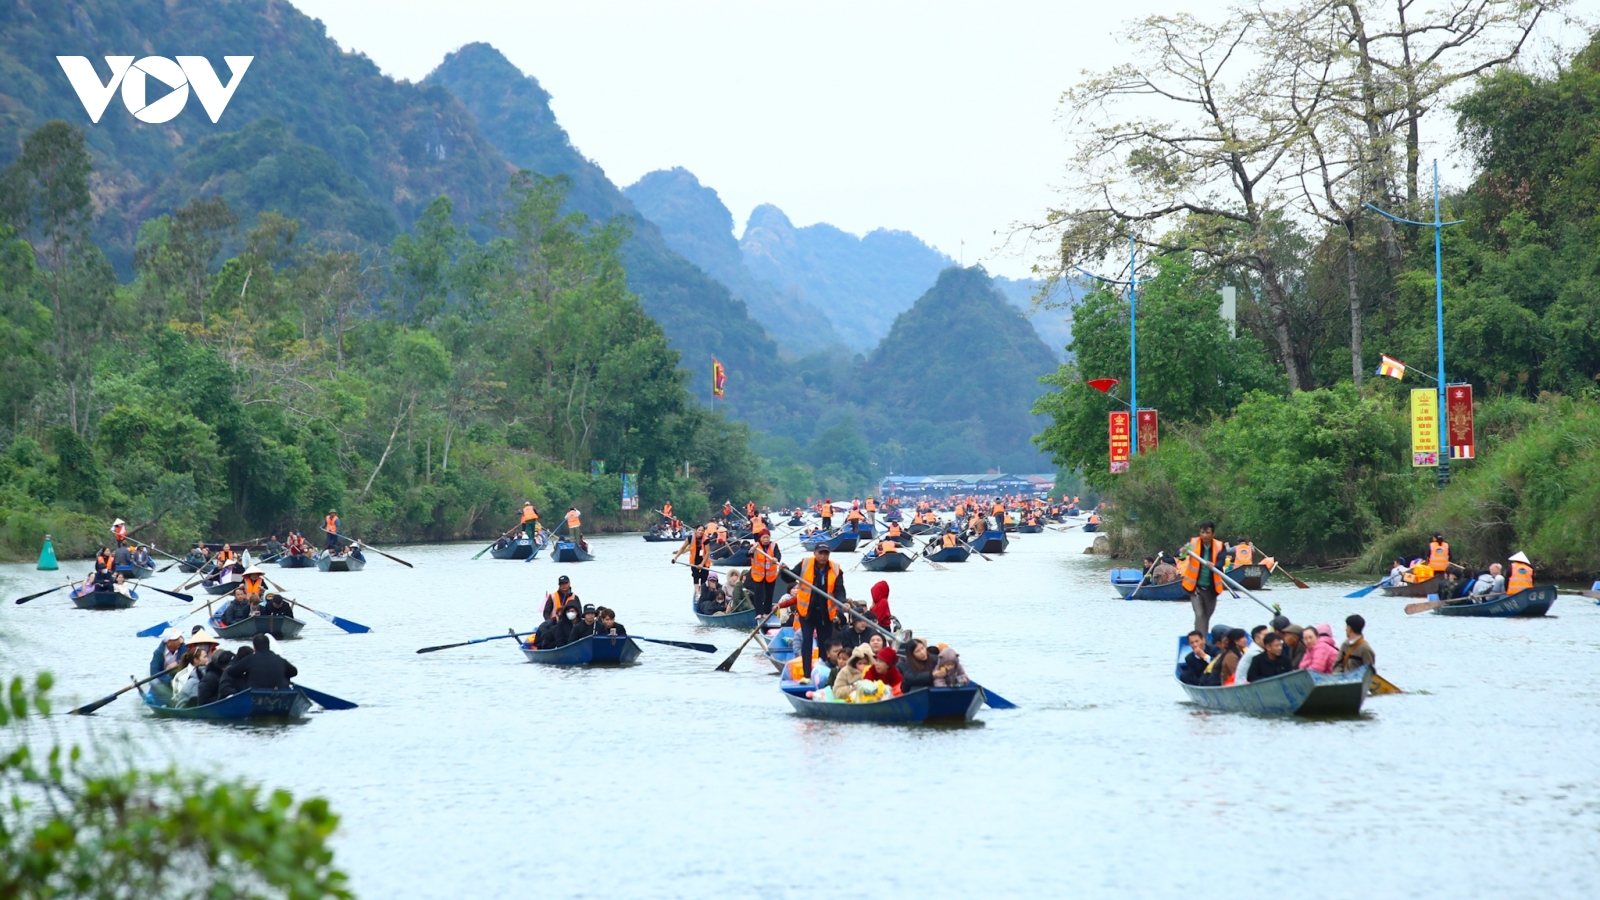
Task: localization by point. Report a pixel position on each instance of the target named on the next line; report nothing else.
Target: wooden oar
(493, 637)
(1135, 593)
(22, 600)
(994, 700)
(1414, 608)
(89, 708)
(492, 543)
(687, 645)
(326, 701)
(367, 546)
(727, 664)
(154, 630)
(1239, 588)
(1297, 582)
(184, 597)
(342, 624)
(554, 536)
(972, 548)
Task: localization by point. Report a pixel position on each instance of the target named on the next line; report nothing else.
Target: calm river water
(470, 773)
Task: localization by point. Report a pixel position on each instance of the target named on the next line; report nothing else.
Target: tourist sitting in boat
(276, 605)
(1293, 641)
(886, 669)
(210, 678)
(104, 561)
(849, 675)
(1199, 658)
(1271, 661)
(856, 635)
(916, 666)
(880, 606)
(1397, 573)
(141, 558)
(196, 656)
(1490, 582)
(556, 631)
(609, 626)
(558, 600)
(232, 684)
(237, 609)
(883, 547)
(738, 592)
(1321, 651)
(263, 670)
(584, 627)
(121, 559)
(949, 673)
(198, 555)
(1223, 666)
(168, 653)
(710, 601)
(1242, 673)
(273, 549)
(1355, 652)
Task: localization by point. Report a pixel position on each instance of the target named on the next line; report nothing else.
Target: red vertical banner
(1149, 432)
(1121, 441)
(1458, 420)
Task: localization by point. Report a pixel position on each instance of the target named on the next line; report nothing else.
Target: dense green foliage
(76, 823)
(424, 392)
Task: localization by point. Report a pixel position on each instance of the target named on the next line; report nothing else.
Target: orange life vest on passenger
(1094, 518)
(854, 515)
(802, 591)
(1243, 554)
(949, 539)
(758, 525)
(1521, 578)
(961, 510)
(1190, 567)
(894, 529)
(763, 567)
(1439, 556)
(223, 558)
(103, 562)
(252, 585)
(887, 546)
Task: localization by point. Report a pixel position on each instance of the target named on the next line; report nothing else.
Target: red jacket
(880, 603)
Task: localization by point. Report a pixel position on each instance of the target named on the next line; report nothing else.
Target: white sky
(935, 117)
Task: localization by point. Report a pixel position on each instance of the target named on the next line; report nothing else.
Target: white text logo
(132, 77)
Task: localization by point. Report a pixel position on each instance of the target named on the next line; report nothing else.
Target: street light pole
(1133, 337)
(1438, 226)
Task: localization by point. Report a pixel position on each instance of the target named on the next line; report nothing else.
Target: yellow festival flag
(1393, 368)
(719, 378)
(1424, 427)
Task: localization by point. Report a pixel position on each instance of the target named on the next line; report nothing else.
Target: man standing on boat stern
(815, 614)
(1203, 586)
(575, 526)
(331, 526)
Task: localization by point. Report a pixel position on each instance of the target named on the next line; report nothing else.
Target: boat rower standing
(330, 525)
(698, 546)
(119, 530)
(1203, 587)
(530, 513)
(815, 614)
(1521, 578)
(575, 526)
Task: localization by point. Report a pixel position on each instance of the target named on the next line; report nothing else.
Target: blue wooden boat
(1439, 585)
(1298, 693)
(656, 537)
(1252, 577)
(221, 586)
(894, 561)
(1127, 580)
(737, 559)
(992, 541)
(135, 572)
(864, 531)
(521, 548)
(843, 542)
(296, 561)
(568, 552)
(1091, 527)
(920, 705)
(796, 522)
(350, 562)
(104, 599)
(1529, 604)
(284, 628)
(954, 554)
(783, 646)
(744, 621)
(594, 650)
(1029, 529)
(247, 704)
(892, 516)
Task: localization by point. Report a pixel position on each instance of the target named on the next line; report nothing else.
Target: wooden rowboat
(1029, 529)
(893, 561)
(247, 704)
(594, 650)
(1253, 577)
(1126, 581)
(1527, 604)
(522, 548)
(652, 537)
(284, 628)
(347, 563)
(218, 588)
(954, 554)
(1438, 584)
(991, 542)
(135, 572)
(920, 705)
(843, 542)
(569, 552)
(296, 561)
(744, 620)
(1298, 693)
(104, 599)
(1091, 527)
(737, 559)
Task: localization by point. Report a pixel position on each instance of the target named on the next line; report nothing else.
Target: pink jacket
(1321, 656)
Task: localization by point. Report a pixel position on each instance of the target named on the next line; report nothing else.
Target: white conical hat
(203, 636)
(1521, 557)
(254, 570)
(118, 522)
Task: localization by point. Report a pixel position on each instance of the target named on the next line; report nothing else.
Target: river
(470, 773)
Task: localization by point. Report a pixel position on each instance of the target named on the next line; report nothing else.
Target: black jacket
(851, 639)
(549, 636)
(710, 601)
(581, 630)
(263, 670)
(911, 679)
(277, 608)
(210, 686)
(600, 628)
(1194, 667)
(232, 684)
(1264, 666)
(235, 612)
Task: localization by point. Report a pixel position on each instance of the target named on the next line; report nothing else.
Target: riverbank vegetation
(249, 376)
(1282, 434)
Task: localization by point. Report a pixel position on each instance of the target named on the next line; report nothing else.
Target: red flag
(1120, 442)
(1458, 420)
(719, 377)
(1149, 432)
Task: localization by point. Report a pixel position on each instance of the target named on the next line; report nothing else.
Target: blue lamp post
(1133, 337)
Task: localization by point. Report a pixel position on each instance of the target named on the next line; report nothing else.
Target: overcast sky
(939, 118)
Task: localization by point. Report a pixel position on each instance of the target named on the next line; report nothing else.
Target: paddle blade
(996, 701)
(345, 625)
(687, 645)
(1414, 608)
(727, 664)
(155, 630)
(89, 708)
(1356, 595)
(326, 701)
(22, 600)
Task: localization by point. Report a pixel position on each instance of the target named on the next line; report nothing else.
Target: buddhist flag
(719, 378)
(1393, 368)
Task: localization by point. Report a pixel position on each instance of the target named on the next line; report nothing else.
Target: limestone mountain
(694, 222)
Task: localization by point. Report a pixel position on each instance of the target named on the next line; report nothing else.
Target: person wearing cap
(168, 654)
(196, 656)
(584, 626)
(1290, 632)
(557, 600)
(816, 609)
(263, 670)
(1521, 578)
(1355, 652)
(710, 602)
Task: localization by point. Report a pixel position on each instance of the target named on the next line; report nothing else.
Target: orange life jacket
(1190, 567)
(1243, 554)
(223, 558)
(1439, 556)
(872, 505)
(666, 509)
(699, 551)
(763, 567)
(331, 524)
(573, 519)
(894, 529)
(252, 585)
(120, 532)
(802, 590)
(1521, 578)
(529, 514)
(887, 546)
(854, 515)
(949, 539)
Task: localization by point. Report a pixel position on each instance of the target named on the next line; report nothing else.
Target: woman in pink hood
(1321, 651)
